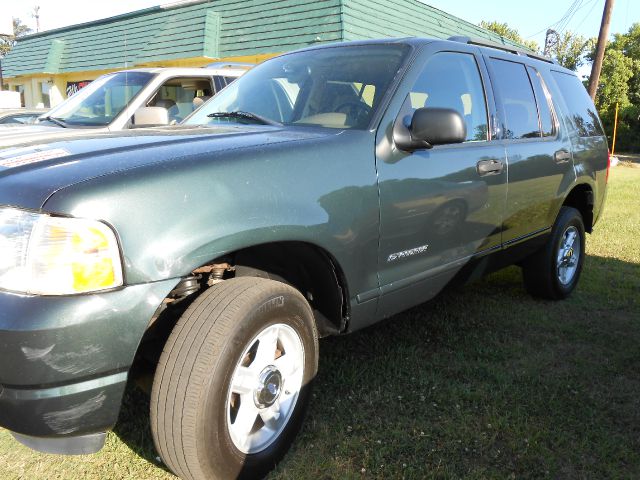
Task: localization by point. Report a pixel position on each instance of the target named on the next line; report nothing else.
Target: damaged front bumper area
(65, 363)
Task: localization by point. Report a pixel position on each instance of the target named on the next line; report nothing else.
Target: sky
(531, 19)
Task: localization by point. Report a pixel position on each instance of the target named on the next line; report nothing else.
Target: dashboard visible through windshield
(337, 87)
(100, 102)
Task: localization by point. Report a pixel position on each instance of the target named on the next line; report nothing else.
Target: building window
(20, 89)
(44, 90)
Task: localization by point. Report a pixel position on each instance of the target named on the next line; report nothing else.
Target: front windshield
(100, 102)
(337, 87)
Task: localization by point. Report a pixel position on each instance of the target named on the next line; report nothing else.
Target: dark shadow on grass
(430, 381)
(483, 381)
(133, 426)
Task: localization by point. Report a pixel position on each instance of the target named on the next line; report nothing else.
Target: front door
(439, 207)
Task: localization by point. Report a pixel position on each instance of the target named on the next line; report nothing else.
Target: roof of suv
(485, 45)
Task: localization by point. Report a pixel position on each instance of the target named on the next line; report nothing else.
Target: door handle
(562, 156)
(489, 167)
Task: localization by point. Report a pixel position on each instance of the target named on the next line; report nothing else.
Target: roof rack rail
(231, 65)
(500, 46)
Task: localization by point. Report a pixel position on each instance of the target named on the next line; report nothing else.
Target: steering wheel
(358, 111)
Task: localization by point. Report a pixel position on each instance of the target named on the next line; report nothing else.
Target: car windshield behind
(100, 102)
(338, 87)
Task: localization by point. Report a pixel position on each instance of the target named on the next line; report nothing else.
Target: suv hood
(32, 172)
(29, 134)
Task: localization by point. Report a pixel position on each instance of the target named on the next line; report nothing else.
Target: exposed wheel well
(581, 198)
(308, 268)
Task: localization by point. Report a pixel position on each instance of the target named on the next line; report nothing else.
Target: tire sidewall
(218, 454)
(569, 217)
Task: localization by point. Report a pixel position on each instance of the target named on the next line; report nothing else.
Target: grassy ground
(483, 382)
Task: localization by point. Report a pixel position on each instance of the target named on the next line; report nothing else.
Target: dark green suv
(323, 191)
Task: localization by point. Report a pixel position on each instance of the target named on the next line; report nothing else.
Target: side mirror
(429, 127)
(150, 117)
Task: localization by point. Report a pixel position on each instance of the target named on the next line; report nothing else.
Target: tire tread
(198, 340)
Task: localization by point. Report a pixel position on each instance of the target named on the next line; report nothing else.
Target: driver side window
(181, 96)
(452, 80)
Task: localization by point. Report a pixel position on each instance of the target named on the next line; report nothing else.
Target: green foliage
(620, 83)
(628, 127)
(629, 44)
(511, 33)
(8, 41)
(571, 50)
(617, 70)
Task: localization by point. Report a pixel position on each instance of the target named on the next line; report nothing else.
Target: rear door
(439, 207)
(540, 166)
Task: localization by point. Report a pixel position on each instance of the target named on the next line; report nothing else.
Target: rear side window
(517, 98)
(582, 114)
(543, 98)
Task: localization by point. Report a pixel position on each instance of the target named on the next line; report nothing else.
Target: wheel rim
(264, 389)
(568, 255)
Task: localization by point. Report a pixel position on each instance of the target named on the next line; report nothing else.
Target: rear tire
(553, 271)
(216, 411)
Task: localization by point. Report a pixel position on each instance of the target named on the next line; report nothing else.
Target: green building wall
(195, 33)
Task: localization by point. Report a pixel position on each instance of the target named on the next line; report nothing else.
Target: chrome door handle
(562, 156)
(489, 167)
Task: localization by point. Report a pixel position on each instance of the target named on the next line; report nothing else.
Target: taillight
(608, 166)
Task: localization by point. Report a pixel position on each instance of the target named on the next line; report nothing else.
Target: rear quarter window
(581, 111)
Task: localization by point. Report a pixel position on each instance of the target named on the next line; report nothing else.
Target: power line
(564, 21)
(553, 24)
(593, 5)
(572, 10)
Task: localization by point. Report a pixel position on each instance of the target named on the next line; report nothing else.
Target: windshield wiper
(245, 115)
(57, 121)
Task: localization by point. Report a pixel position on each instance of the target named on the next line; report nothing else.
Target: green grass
(483, 382)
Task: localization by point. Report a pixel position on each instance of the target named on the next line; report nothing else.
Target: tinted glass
(544, 103)
(582, 114)
(220, 82)
(19, 119)
(178, 95)
(102, 100)
(452, 80)
(338, 87)
(515, 90)
(228, 80)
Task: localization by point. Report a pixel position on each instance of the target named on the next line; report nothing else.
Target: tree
(8, 42)
(571, 50)
(629, 44)
(512, 34)
(617, 70)
(620, 83)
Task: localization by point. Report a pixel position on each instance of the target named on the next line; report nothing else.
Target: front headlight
(45, 255)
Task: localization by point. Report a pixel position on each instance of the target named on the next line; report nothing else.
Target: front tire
(233, 381)
(553, 271)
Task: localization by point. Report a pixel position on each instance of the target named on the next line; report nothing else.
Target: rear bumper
(65, 361)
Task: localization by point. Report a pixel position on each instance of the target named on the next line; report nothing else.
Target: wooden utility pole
(602, 44)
